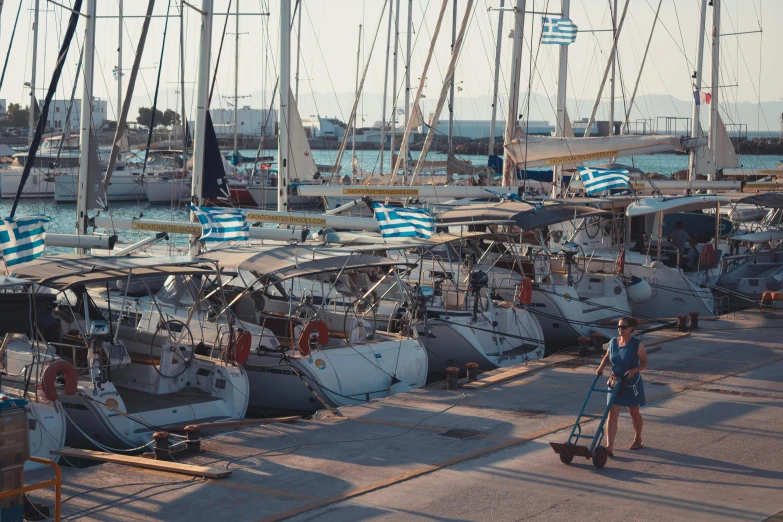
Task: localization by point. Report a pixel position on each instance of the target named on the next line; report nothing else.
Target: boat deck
(137, 401)
(713, 449)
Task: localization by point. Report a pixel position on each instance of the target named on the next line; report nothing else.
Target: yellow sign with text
(583, 157)
(379, 191)
(172, 229)
(287, 220)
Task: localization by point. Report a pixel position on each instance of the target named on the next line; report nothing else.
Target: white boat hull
(37, 185)
(121, 188)
(167, 191)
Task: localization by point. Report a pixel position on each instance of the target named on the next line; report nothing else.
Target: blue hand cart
(595, 451)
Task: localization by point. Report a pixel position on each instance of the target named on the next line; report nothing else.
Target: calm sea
(63, 215)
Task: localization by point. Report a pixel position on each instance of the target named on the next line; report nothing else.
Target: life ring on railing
(242, 346)
(525, 295)
(50, 376)
(707, 255)
(619, 265)
(314, 326)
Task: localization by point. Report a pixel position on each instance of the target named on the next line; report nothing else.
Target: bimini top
(674, 204)
(759, 237)
(65, 271)
(526, 216)
(285, 262)
(764, 199)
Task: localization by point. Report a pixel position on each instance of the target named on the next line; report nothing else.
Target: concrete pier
(712, 434)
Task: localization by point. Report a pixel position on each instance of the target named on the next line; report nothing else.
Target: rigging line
(219, 54)
(10, 43)
(157, 88)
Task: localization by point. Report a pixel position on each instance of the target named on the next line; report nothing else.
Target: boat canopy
(66, 271)
(286, 262)
(759, 237)
(526, 216)
(7, 283)
(647, 206)
(764, 199)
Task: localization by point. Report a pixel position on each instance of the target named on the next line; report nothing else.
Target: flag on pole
(702, 98)
(221, 224)
(560, 31)
(404, 222)
(597, 180)
(22, 239)
(400, 110)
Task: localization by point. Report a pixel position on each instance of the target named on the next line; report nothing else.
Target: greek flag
(561, 31)
(22, 239)
(598, 180)
(404, 222)
(221, 224)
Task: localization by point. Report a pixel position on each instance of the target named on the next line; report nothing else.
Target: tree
(170, 118)
(19, 117)
(145, 117)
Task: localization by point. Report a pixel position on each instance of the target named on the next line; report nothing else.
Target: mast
(356, 93)
(697, 75)
(85, 119)
(509, 165)
(562, 78)
(497, 78)
(394, 79)
(715, 81)
(451, 86)
(614, 65)
(385, 89)
(404, 144)
(33, 102)
(119, 59)
(236, 86)
(285, 94)
(202, 103)
(298, 45)
(183, 120)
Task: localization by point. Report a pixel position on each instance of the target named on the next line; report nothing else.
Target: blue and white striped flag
(597, 180)
(404, 222)
(22, 239)
(561, 31)
(221, 224)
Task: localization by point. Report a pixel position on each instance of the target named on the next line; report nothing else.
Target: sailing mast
(497, 78)
(356, 94)
(298, 44)
(562, 78)
(509, 165)
(614, 66)
(385, 89)
(285, 95)
(404, 144)
(394, 81)
(85, 119)
(33, 102)
(236, 87)
(697, 75)
(183, 120)
(202, 106)
(450, 152)
(119, 59)
(713, 137)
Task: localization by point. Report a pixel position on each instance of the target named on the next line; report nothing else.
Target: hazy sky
(750, 64)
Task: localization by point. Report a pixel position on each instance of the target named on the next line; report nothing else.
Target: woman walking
(628, 359)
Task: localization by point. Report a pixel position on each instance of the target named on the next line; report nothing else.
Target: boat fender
(707, 255)
(619, 265)
(525, 292)
(242, 346)
(639, 290)
(315, 326)
(50, 376)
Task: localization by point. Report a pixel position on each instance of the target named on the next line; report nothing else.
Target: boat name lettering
(583, 157)
(379, 192)
(291, 220)
(174, 229)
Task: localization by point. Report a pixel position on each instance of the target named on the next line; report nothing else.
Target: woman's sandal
(636, 446)
(610, 453)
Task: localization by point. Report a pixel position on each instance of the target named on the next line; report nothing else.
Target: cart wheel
(600, 457)
(566, 459)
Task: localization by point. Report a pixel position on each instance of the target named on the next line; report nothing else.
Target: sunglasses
(623, 326)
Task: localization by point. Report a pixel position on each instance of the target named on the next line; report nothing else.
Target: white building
(479, 129)
(58, 109)
(2, 109)
(251, 121)
(329, 128)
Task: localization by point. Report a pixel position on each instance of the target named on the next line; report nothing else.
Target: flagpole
(713, 139)
(562, 76)
(695, 123)
(509, 165)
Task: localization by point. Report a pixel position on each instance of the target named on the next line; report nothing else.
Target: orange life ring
(50, 374)
(314, 326)
(707, 255)
(525, 291)
(242, 346)
(619, 265)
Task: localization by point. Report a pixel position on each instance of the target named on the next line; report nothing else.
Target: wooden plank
(511, 373)
(140, 462)
(238, 422)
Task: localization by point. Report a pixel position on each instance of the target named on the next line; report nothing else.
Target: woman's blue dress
(623, 358)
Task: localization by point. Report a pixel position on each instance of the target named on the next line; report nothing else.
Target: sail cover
(300, 154)
(214, 184)
(542, 151)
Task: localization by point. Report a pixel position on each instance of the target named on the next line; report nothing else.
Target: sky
(749, 69)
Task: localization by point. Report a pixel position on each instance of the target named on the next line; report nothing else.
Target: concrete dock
(713, 449)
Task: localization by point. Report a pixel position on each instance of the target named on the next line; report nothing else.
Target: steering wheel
(166, 325)
(305, 311)
(358, 311)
